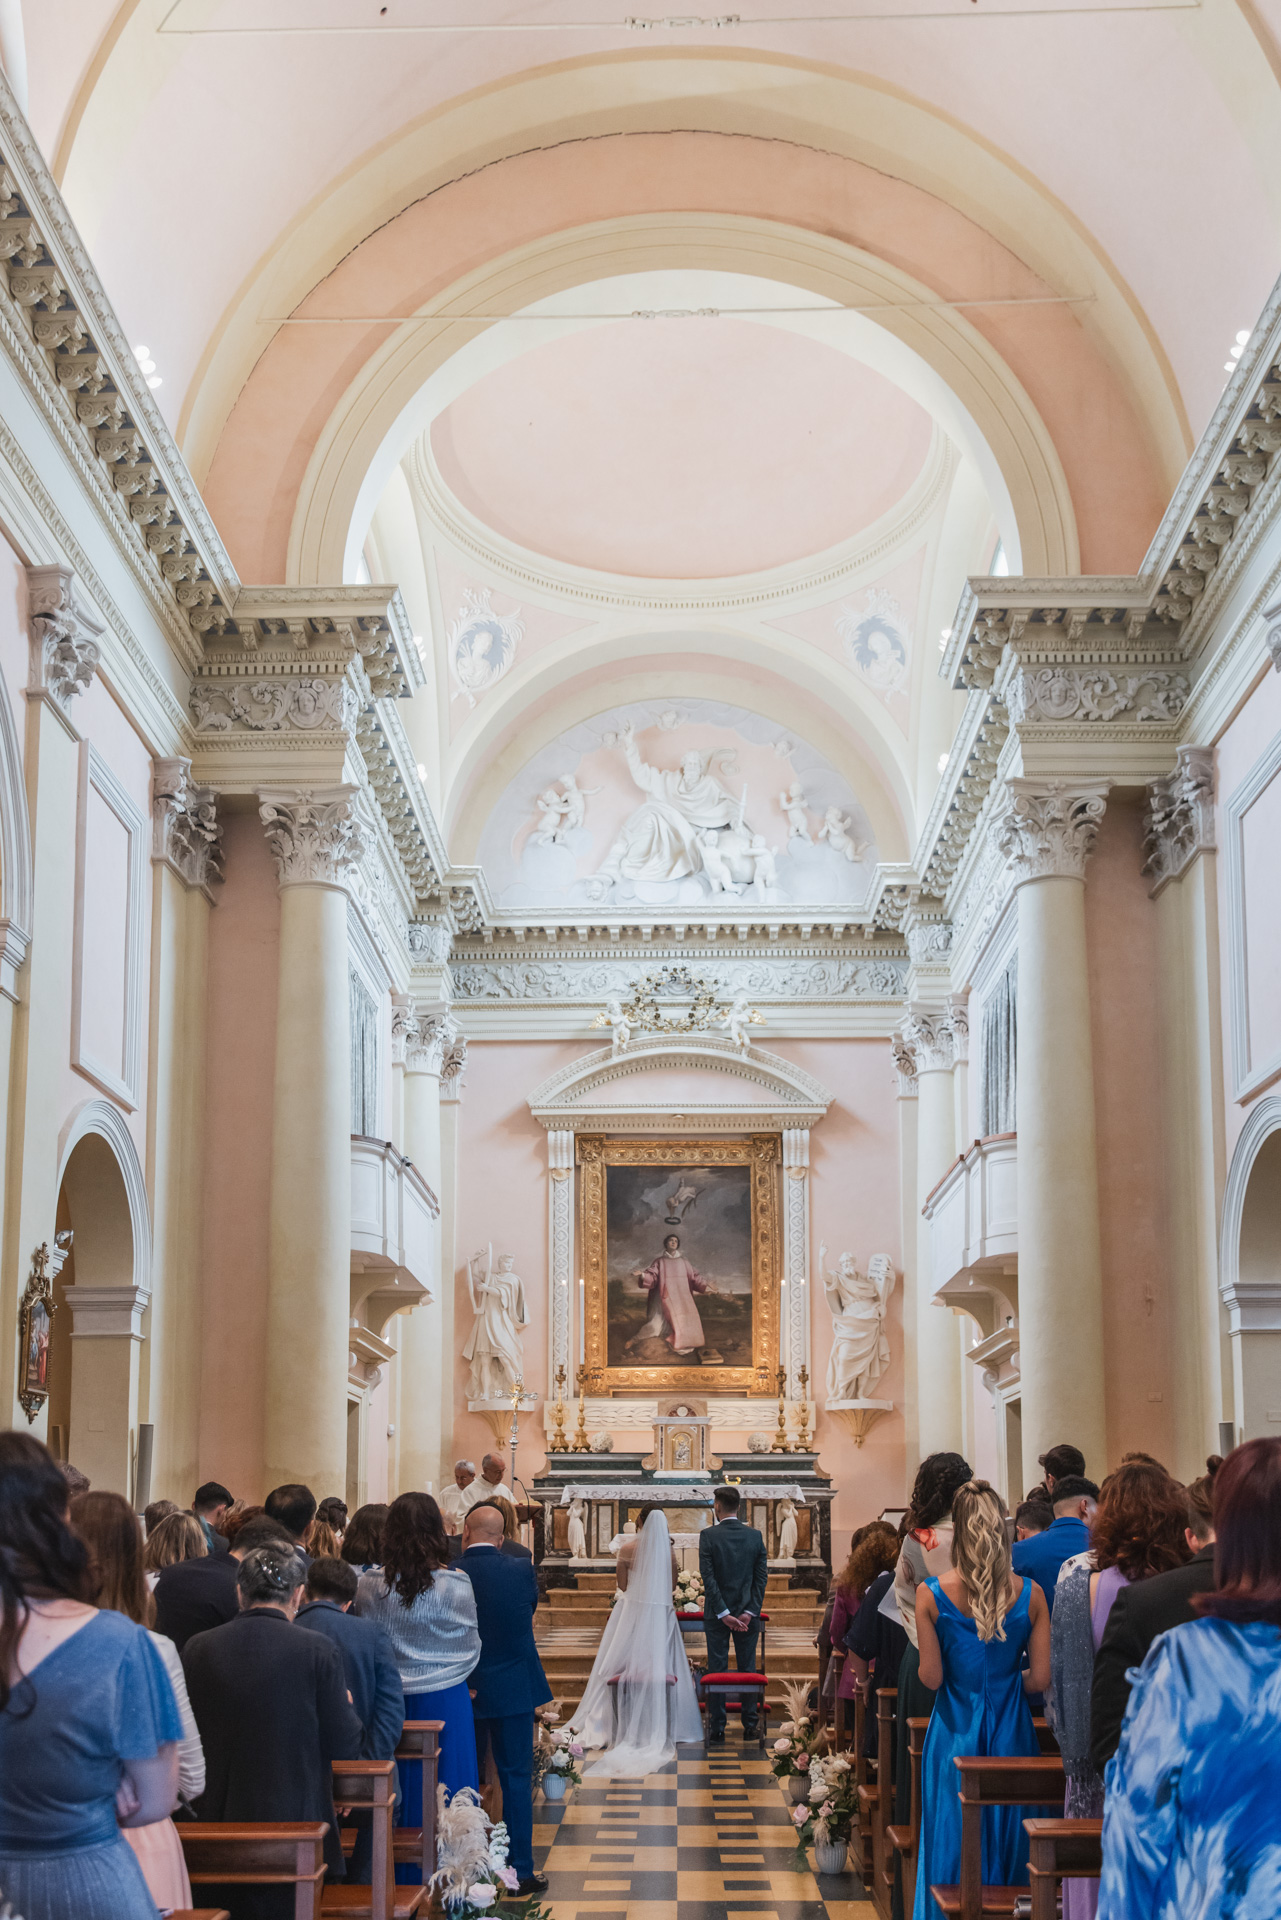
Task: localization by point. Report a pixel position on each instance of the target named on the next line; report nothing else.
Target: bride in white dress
(642, 1649)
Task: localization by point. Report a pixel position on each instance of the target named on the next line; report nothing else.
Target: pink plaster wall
(1121, 940)
(302, 375)
(503, 1186)
(244, 934)
(1244, 743)
(745, 447)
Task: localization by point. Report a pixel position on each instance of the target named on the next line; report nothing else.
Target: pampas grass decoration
(462, 1849)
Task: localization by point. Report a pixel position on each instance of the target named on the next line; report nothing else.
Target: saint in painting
(679, 1299)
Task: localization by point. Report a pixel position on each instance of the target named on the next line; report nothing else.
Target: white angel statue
(738, 1017)
(792, 803)
(835, 830)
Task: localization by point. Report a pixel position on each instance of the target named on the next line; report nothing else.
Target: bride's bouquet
(687, 1596)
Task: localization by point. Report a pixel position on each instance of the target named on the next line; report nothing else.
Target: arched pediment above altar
(667, 1084)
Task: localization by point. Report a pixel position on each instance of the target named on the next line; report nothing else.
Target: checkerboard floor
(709, 1838)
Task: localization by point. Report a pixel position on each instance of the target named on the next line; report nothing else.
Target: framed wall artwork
(679, 1250)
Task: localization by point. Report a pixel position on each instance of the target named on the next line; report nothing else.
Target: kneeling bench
(735, 1689)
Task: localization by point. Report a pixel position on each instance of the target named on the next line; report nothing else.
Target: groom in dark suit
(508, 1682)
(731, 1559)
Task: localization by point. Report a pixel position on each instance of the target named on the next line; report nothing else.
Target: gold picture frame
(761, 1154)
(35, 1315)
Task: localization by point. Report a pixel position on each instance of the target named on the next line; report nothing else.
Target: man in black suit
(731, 1560)
(508, 1682)
(270, 1701)
(1140, 1614)
(194, 1595)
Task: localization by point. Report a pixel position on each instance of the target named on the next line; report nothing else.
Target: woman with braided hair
(973, 1625)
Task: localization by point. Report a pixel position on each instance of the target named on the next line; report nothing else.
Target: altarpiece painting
(680, 1258)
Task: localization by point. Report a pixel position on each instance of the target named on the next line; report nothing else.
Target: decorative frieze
(594, 981)
(1096, 695)
(929, 941)
(186, 834)
(928, 1033)
(430, 941)
(274, 706)
(1047, 828)
(1180, 816)
(316, 835)
(63, 635)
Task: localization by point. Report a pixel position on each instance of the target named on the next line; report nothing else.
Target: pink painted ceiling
(681, 450)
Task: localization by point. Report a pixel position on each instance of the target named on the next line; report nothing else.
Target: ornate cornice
(1180, 817)
(316, 835)
(1047, 828)
(186, 835)
(1096, 695)
(64, 636)
(928, 1034)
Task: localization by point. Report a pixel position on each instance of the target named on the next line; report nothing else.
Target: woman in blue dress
(1192, 1818)
(89, 1727)
(973, 1625)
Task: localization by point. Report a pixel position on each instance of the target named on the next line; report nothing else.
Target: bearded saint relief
(660, 840)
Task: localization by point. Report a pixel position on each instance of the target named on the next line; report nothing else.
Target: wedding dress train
(640, 1701)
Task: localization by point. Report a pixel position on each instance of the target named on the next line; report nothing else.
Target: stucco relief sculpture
(482, 645)
(738, 1017)
(836, 831)
(857, 1303)
(563, 813)
(661, 840)
(618, 1022)
(792, 805)
(494, 1343)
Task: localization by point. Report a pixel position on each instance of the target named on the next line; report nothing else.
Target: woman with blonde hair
(179, 1536)
(973, 1625)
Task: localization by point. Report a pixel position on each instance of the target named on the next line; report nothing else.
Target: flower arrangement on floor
(688, 1593)
(472, 1873)
(799, 1738)
(557, 1752)
(827, 1816)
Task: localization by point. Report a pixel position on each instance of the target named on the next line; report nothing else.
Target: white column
(909, 1220)
(452, 1067)
(958, 1022)
(186, 865)
(315, 836)
(1046, 833)
(938, 1365)
(426, 1360)
(794, 1337)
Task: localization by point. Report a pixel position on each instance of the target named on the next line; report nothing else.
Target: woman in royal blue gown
(1192, 1818)
(973, 1626)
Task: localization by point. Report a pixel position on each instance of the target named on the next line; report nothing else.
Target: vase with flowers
(799, 1740)
(826, 1817)
(557, 1751)
(472, 1874)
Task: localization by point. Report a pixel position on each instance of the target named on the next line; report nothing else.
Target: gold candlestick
(780, 1443)
(558, 1443)
(803, 1416)
(581, 1443)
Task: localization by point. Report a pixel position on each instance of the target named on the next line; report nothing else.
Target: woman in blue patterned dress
(1192, 1819)
(972, 1626)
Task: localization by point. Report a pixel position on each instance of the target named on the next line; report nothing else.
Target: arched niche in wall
(690, 1086)
(1250, 1268)
(105, 1288)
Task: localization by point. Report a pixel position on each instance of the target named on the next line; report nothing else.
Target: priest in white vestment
(490, 1485)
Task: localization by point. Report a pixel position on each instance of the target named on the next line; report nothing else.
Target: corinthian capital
(1180, 816)
(404, 1028)
(928, 1033)
(436, 1034)
(185, 831)
(453, 1061)
(63, 635)
(315, 833)
(905, 1061)
(1048, 827)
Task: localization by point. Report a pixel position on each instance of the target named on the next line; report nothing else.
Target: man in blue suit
(508, 1683)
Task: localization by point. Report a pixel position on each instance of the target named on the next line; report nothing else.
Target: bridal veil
(641, 1699)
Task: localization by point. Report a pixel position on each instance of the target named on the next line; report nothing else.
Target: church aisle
(705, 1839)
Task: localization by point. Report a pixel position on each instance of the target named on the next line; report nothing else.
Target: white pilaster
(560, 1254)
(794, 1329)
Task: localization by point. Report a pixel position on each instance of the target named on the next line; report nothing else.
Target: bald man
(491, 1484)
(508, 1682)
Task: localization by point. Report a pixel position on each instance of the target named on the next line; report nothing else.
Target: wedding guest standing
(1042, 1555)
(973, 1625)
(362, 1543)
(1192, 1823)
(508, 1682)
(89, 1727)
(109, 1528)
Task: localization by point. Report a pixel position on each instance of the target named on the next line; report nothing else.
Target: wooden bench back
(371, 1785)
(420, 1741)
(258, 1853)
(1061, 1850)
(998, 1781)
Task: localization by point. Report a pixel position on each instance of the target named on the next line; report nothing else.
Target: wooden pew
(877, 1800)
(906, 1841)
(992, 1781)
(370, 1785)
(199, 1913)
(416, 1846)
(1061, 1850)
(864, 1771)
(258, 1853)
(1045, 1736)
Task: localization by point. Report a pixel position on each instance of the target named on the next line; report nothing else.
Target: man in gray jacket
(731, 1559)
